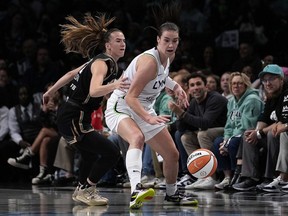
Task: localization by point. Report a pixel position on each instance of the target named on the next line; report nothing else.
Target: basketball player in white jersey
(131, 115)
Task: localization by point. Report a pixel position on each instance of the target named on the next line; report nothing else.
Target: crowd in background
(217, 37)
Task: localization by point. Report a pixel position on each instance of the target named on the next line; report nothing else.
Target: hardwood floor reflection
(34, 200)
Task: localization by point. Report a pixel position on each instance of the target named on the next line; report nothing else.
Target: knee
(216, 144)
(44, 130)
(137, 140)
(202, 135)
(185, 138)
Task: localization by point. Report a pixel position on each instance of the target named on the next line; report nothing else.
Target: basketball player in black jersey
(88, 84)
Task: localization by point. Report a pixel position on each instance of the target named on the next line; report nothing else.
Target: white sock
(134, 167)
(171, 189)
(30, 153)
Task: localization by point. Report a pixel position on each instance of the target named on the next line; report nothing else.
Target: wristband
(262, 133)
(170, 83)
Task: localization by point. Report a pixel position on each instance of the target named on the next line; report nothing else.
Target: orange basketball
(202, 163)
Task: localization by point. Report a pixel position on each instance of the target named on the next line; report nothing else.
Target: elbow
(127, 100)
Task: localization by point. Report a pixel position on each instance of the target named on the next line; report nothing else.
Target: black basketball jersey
(79, 86)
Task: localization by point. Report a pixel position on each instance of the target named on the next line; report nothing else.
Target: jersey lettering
(159, 84)
(73, 87)
(77, 77)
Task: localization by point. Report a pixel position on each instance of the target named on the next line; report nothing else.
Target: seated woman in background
(243, 110)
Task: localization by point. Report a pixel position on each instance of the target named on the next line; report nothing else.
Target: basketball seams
(202, 163)
(205, 163)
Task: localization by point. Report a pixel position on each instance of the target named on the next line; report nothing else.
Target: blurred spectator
(64, 161)
(3, 63)
(213, 82)
(208, 61)
(280, 184)
(25, 60)
(8, 91)
(43, 143)
(4, 137)
(248, 70)
(4, 129)
(16, 30)
(24, 126)
(24, 122)
(192, 19)
(268, 59)
(247, 56)
(224, 85)
(44, 71)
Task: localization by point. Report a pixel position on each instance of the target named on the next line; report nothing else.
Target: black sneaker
(247, 185)
(43, 178)
(22, 161)
(184, 181)
(140, 195)
(180, 199)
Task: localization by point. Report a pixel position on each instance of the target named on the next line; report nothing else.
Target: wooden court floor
(41, 201)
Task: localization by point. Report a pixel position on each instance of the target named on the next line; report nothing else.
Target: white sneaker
(153, 182)
(184, 181)
(90, 196)
(225, 182)
(161, 184)
(126, 184)
(208, 184)
(276, 185)
(193, 185)
(145, 179)
(285, 189)
(75, 193)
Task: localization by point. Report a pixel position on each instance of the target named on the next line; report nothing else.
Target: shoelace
(93, 193)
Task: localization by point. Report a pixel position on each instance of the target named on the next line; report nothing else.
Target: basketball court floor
(35, 200)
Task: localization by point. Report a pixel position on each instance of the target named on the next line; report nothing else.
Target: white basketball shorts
(117, 109)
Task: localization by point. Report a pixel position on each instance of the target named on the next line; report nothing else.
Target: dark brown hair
(166, 16)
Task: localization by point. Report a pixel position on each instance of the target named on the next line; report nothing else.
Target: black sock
(238, 169)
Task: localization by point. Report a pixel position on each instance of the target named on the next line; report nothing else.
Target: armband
(170, 83)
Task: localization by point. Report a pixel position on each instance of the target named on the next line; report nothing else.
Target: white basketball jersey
(153, 88)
